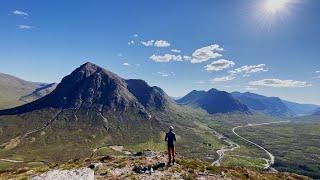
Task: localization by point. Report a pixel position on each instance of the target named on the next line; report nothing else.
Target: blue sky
(242, 45)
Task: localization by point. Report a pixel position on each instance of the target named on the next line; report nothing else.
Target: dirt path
(221, 152)
(10, 160)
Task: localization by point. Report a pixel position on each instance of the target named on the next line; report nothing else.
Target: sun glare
(269, 12)
(275, 6)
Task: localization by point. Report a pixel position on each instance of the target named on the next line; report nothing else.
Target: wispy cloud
(126, 64)
(166, 74)
(20, 13)
(278, 83)
(229, 77)
(205, 53)
(219, 65)
(249, 69)
(147, 43)
(131, 42)
(156, 43)
(161, 43)
(317, 72)
(135, 35)
(22, 26)
(176, 50)
(165, 58)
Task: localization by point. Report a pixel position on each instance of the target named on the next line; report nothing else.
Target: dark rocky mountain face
(149, 97)
(268, 105)
(91, 86)
(213, 101)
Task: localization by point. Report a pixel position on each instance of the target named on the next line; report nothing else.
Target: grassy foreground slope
(67, 138)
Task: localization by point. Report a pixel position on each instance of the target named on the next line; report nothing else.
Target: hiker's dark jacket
(170, 138)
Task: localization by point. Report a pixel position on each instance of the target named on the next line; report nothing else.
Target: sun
(269, 13)
(275, 6)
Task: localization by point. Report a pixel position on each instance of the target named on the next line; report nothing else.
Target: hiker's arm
(174, 137)
(166, 138)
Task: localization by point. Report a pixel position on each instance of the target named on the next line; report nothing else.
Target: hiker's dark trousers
(171, 153)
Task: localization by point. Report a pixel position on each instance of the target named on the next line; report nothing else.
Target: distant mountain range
(268, 105)
(13, 90)
(274, 106)
(301, 109)
(213, 101)
(317, 112)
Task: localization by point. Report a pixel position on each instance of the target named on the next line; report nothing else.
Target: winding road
(232, 145)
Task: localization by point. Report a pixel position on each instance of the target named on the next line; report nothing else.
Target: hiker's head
(171, 128)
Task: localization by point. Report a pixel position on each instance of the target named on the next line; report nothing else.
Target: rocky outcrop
(75, 174)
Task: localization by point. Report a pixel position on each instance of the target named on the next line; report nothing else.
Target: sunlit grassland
(296, 146)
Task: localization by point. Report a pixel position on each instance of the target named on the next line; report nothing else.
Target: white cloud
(166, 74)
(20, 13)
(166, 58)
(219, 65)
(279, 83)
(250, 88)
(224, 78)
(187, 58)
(131, 43)
(205, 53)
(176, 50)
(317, 71)
(161, 43)
(249, 69)
(147, 43)
(126, 64)
(22, 26)
(156, 43)
(135, 35)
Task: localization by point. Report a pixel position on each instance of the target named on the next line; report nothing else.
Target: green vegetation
(296, 146)
(69, 138)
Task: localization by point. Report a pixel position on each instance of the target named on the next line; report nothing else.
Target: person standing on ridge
(171, 139)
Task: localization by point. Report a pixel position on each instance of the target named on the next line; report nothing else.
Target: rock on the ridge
(74, 174)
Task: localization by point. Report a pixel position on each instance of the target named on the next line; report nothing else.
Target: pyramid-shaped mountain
(213, 101)
(93, 108)
(92, 87)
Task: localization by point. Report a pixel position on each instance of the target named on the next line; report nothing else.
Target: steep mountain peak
(213, 101)
(91, 86)
(212, 90)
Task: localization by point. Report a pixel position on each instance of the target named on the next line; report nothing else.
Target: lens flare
(275, 6)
